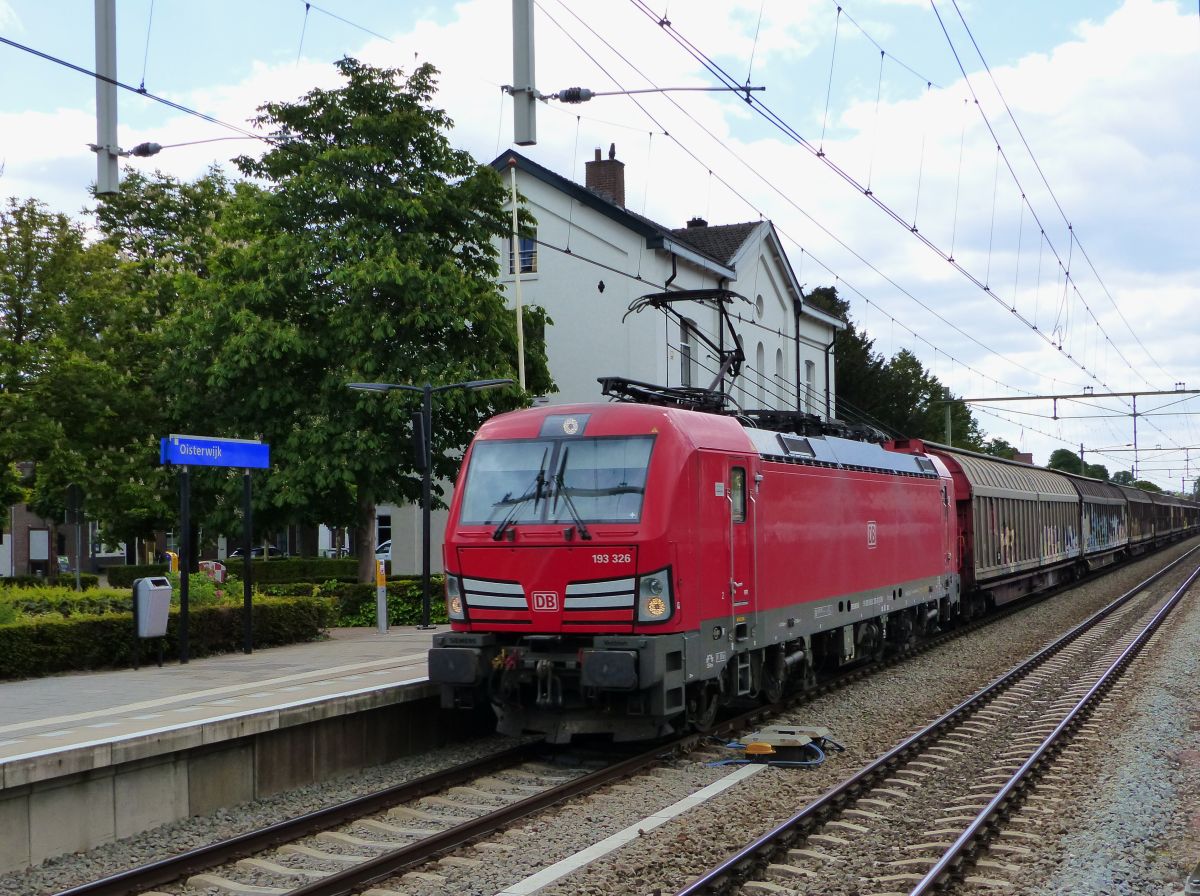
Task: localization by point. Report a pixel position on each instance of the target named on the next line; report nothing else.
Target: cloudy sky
(1071, 144)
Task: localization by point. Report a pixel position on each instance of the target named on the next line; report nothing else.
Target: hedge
(123, 576)
(86, 580)
(297, 569)
(59, 600)
(49, 644)
(273, 572)
(354, 603)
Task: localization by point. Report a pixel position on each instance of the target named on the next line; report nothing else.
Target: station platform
(90, 757)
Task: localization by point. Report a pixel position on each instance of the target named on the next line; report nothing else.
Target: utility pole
(523, 93)
(107, 173)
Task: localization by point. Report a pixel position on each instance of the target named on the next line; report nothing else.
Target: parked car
(259, 553)
(384, 552)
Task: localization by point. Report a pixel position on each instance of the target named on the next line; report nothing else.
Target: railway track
(970, 787)
(371, 839)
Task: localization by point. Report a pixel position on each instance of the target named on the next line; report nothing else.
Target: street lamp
(424, 440)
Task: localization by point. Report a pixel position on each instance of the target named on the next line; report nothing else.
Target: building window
(383, 528)
(810, 385)
(689, 341)
(528, 255)
(779, 365)
(760, 361)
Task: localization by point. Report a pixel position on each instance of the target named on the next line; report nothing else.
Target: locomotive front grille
(485, 594)
(600, 603)
(613, 594)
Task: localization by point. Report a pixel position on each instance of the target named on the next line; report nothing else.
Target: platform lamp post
(423, 439)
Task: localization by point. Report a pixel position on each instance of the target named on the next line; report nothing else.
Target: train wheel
(772, 687)
(808, 676)
(703, 706)
(773, 675)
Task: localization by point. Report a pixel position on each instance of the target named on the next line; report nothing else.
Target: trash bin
(152, 605)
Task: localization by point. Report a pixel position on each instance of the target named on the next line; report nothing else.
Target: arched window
(689, 342)
(760, 373)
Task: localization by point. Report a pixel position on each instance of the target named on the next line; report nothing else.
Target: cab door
(742, 509)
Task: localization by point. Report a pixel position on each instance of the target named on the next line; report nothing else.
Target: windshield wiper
(566, 496)
(534, 492)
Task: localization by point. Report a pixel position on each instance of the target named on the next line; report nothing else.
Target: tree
(897, 395)
(367, 256)
(50, 319)
(1122, 477)
(998, 447)
(1066, 460)
(1147, 486)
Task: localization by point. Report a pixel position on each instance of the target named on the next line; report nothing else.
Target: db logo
(544, 601)
(872, 534)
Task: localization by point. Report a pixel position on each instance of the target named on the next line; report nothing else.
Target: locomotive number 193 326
(615, 557)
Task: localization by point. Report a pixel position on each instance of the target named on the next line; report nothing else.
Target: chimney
(607, 176)
(696, 222)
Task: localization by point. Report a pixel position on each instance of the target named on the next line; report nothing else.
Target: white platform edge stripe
(4, 760)
(560, 869)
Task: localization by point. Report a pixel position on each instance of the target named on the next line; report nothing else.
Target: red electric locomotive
(626, 569)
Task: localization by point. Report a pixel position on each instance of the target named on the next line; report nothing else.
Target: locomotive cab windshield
(594, 480)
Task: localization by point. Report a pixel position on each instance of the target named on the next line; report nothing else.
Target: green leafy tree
(1122, 477)
(162, 232)
(1066, 460)
(897, 395)
(51, 384)
(998, 447)
(367, 256)
(1069, 462)
(1147, 486)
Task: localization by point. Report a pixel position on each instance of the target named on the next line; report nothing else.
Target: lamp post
(424, 445)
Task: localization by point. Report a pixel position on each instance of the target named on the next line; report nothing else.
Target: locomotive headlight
(454, 602)
(654, 596)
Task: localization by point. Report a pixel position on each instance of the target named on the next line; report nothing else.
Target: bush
(123, 576)
(310, 569)
(86, 580)
(355, 603)
(50, 600)
(49, 644)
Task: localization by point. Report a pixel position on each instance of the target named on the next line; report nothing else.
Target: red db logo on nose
(545, 600)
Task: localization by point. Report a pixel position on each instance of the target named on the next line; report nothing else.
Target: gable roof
(715, 247)
(656, 236)
(719, 241)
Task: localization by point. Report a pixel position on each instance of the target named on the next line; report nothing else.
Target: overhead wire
(718, 72)
(773, 185)
(1042, 174)
(779, 123)
(1065, 267)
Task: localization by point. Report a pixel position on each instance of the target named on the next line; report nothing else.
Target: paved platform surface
(43, 716)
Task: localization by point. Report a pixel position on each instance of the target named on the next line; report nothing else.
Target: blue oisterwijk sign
(202, 451)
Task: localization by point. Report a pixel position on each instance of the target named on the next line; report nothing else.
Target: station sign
(202, 451)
